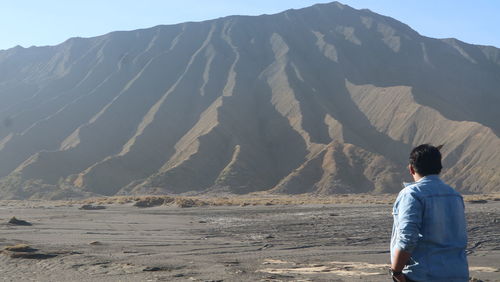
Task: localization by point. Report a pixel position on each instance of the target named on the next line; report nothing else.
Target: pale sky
(50, 22)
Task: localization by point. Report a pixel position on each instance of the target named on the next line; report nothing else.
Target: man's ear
(410, 168)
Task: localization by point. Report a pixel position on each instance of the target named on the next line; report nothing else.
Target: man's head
(425, 159)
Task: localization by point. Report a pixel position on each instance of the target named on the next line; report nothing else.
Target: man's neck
(417, 177)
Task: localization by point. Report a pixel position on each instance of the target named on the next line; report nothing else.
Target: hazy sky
(50, 22)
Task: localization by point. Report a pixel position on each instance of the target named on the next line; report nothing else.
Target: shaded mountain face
(326, 99)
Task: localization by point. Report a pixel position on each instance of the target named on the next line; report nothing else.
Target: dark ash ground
(253, 243)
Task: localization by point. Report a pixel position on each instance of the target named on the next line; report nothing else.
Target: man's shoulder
(412, 191)
(429, 187)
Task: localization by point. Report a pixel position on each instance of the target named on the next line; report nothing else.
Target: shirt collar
(429, 177)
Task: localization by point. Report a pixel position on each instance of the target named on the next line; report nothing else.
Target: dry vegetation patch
(147, 202)
(20, 248)
(253, 199)
(25, 251)
(481, 198)
(16, 221)
(92, 207)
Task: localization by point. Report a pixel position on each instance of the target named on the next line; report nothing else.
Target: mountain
(325, 99)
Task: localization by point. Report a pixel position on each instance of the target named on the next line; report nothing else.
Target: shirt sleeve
(409, 222)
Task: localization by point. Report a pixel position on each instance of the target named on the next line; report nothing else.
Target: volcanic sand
(333, 242)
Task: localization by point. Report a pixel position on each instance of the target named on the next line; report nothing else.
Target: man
(429, 235)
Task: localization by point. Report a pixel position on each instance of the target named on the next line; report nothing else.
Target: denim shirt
(429, 223)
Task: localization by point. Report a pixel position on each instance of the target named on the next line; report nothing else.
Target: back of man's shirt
(429, 222)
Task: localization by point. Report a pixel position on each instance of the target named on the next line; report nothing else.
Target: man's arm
(410, 222)
(399, 261)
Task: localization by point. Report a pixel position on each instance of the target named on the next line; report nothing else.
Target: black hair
(426, 159)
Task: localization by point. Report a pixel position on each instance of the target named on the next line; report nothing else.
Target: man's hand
(399, 278)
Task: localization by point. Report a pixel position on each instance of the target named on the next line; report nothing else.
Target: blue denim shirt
(429, 223)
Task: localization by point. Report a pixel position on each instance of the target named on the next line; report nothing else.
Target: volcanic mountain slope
(325, 99)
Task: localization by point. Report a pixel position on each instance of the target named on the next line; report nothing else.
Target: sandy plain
(314, 241)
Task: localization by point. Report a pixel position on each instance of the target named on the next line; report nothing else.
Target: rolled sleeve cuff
(406, 244)
(405, 247)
